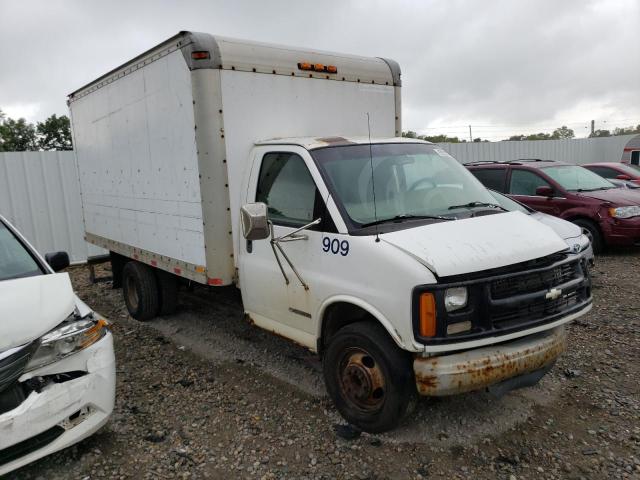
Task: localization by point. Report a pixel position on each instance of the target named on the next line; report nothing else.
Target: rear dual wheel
(369, 378)
(148, 292)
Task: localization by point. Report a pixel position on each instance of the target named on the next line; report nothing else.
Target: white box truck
(282, 170)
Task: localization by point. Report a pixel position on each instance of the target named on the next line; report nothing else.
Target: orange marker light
(318, 67)
(331, 69)
(202, 55)
(305, 66)
(427, 315)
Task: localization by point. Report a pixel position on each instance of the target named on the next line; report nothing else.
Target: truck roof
(203, 50)
(312, 143)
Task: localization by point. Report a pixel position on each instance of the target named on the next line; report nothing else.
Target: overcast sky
(503, 66)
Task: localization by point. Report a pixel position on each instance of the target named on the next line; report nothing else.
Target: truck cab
(395, 264)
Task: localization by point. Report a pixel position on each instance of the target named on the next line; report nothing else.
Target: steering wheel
(417, 183)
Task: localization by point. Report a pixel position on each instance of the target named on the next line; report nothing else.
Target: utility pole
(470, 135)
(593, 127)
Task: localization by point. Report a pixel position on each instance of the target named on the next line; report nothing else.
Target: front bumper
(483, 367)
(61, 414)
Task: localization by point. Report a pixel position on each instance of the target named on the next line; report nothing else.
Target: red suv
(608, 215)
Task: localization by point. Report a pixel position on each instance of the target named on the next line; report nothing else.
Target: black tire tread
(148, 292)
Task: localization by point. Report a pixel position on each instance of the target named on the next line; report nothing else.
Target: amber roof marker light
(317, 67)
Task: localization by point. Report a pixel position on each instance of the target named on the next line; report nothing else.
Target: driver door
(286, 306)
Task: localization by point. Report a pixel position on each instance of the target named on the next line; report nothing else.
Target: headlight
(455, 298)
(625, 212)
(69, 337)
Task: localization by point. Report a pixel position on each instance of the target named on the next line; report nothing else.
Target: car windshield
(410, 181)
(574, 178)
(15, 259)
(508, 204)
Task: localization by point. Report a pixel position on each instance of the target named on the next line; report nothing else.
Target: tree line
(19, 135)
(559, 133)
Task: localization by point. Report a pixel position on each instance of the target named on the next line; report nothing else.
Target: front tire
(140, 291)
(591, 230)
(369, 378)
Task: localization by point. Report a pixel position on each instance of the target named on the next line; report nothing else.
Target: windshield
(572, 177)
(508, 204)
(15, 260)
(410, 180)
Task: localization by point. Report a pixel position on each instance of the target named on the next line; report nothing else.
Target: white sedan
(57, 366)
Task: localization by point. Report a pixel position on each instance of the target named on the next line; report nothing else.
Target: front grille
(536, 309)
(13, 363)
(534, 281)
(30, 445)
(509, 299)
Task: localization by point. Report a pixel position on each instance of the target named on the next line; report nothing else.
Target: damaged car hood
(476, 244)
(31, 306)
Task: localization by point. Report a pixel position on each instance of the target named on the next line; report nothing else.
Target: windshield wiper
(591, 189)
(405, 216)
(478, 204)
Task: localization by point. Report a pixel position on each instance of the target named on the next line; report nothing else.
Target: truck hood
(619, 197)
(30, 307)
(476, 244)
(566, 230)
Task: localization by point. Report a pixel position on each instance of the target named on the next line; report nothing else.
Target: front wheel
(369, 378)
(591, 230)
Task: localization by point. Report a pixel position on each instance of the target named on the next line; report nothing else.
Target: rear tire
(140, 291)
(168, 289)
(591, 230)
(369, 378)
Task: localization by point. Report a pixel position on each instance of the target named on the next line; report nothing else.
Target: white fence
(577, 151)
(40, 195)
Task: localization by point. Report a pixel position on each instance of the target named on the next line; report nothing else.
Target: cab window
(286, 186)
(524, 182)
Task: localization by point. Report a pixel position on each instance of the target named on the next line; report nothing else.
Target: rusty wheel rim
(132, 293)
(361, 380)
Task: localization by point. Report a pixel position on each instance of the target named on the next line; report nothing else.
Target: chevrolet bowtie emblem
(553, 294)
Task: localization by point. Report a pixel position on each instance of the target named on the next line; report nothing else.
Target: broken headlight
(69, 337)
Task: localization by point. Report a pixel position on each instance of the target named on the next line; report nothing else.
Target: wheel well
(337, 316)
(587, 219)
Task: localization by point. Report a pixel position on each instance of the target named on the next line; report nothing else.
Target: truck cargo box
(162, 141)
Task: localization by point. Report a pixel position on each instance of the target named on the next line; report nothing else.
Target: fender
(408, 344)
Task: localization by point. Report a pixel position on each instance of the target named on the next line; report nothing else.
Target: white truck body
(162, 150)
(177, 147)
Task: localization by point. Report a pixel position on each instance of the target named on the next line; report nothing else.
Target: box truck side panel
(138, 164)
(262, 106)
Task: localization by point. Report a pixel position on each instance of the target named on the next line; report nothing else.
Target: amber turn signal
(427, 315)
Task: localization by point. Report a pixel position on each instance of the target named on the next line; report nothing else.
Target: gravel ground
(202, 394)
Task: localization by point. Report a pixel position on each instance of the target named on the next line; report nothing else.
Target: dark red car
(608, 215)
(615, 171)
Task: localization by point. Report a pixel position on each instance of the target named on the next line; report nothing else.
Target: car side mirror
(544, 191)
(57, 260)
(623, 177)
(255, 221)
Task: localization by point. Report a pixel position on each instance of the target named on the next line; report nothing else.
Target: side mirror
(544, 191)
(255, 221)
(57, 260)
(623, 177)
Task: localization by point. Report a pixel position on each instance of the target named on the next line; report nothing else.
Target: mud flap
(498, 390)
